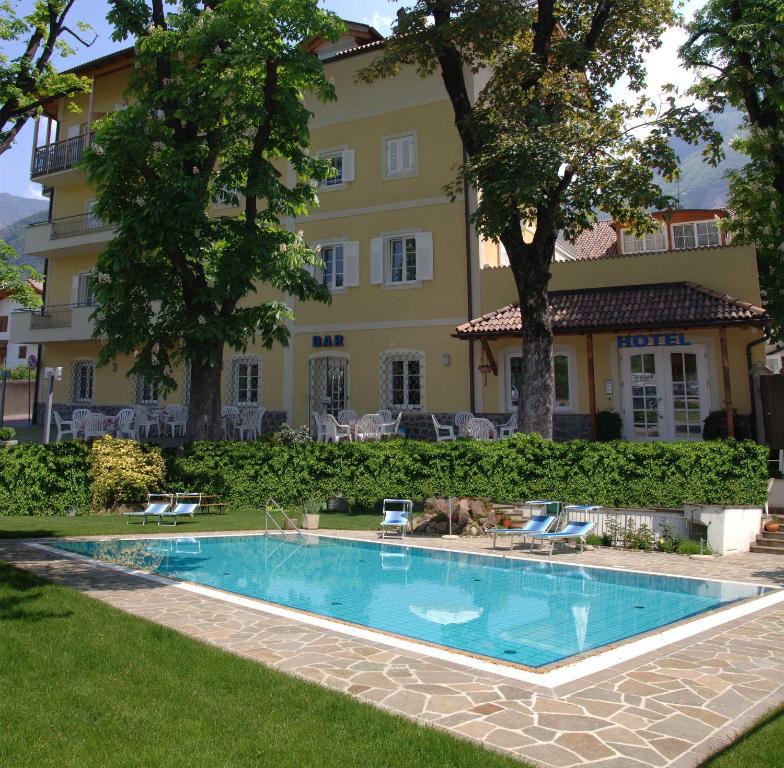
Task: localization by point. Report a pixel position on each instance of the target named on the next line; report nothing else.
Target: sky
(663, 68)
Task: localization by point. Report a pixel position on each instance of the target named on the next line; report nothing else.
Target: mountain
(13, 208)
(14, 235)
(701, 185)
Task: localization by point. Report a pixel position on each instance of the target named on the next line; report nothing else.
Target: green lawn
(233, 520)
(82, 684)
(762, 747)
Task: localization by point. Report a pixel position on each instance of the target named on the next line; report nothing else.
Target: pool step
(769, 543)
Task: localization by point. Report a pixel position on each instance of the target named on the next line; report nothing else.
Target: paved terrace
(672, 707)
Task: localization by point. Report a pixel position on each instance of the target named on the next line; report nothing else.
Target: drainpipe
(470, 293)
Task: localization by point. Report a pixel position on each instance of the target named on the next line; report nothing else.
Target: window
(22, 354)
(82, 289)
(342, 161)
(700, 234)
(82, 381)
(401, 379)
(563, 379)
(400, 154)
(653, 241)
(401, 262)
(146, 391)
(336, 159)
(333, 266)
(3, 323)
(245, 380)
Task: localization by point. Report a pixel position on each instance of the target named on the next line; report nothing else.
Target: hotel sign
(652, 340)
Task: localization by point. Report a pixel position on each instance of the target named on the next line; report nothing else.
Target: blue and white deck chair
(574, 532)
(397, 514)
(157, 504)
(181, 510)
(537, 524)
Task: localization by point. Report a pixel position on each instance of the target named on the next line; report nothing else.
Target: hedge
(50, 480)
(615, 474)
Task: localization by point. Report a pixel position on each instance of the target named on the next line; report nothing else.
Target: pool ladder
(291, 527)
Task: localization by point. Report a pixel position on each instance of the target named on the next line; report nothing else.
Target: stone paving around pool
(673, 707)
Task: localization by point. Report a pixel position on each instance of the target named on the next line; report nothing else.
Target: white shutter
(424, 255)
(348, 165)
(310, 269)
(75, 289)
(291, 175)
(393, 157)
(120, 107)
(407, 154)
(351, 264)
(377, 261)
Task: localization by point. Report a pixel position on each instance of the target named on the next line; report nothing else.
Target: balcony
(57, 322)
(51, 238)
(60, 156)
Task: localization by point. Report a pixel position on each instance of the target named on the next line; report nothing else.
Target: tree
(15, 279)
(29, 80)
(216, 113)
(544, 140)
(737, 46)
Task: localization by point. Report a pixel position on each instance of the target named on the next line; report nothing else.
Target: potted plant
(506, 521)
(772, 524)
(310, 514)
(7, 435)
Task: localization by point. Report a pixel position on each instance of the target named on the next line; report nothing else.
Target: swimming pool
(509, 609)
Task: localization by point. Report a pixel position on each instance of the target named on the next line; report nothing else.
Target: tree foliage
(216, 115)
(28, 79)
(738, 48)
(545, 139)
(15, 278)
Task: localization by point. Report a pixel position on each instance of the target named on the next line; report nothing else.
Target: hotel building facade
(661, 329)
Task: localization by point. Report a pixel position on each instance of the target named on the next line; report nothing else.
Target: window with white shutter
(400, 154)
(401, 259)
(343, 164)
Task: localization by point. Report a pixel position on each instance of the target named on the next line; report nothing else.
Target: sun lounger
(537, 524)
(572, 531)
(397, 514)
(154, 509)
(181, 510)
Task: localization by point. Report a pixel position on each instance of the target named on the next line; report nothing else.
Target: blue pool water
(527, 612)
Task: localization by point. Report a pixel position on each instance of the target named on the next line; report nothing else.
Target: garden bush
(124, 472)
(44, 479)
(613, 474)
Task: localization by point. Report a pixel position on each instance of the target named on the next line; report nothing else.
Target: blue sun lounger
(572, 531)
(537, 524)
(154, 509)
(397, 514)
(181, 510)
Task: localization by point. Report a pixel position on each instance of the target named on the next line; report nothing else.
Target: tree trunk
(204, 422)
(531, 268)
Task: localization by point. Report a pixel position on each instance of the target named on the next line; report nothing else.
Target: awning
(654, 305)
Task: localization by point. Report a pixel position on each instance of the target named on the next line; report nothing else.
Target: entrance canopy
(654, 305)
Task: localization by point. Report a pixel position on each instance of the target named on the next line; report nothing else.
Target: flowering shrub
(123, 471)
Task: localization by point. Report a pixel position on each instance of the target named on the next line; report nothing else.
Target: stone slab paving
(671, 708)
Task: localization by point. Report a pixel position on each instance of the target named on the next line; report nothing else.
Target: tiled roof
(598, 242)
(656, 305)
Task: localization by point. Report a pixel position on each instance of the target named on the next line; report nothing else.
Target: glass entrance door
(665, 393)
(328, 385)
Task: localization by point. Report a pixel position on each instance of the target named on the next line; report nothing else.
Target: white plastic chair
(508, 429)
(347, 417)
(397, 514)
(77, 419)
(230, 415)
(176, 419)
(321, 432)
(389, 427)
(125, 423)
(143, 423)
(461, 420)
(369, 427)
(385, 415)
(480, 429)
(63, 427)
(250, 423)
(94, 425)
(334, 432)
(444, 432)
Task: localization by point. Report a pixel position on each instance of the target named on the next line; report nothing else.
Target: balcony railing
(52, 316)
(83, 224)
(61, 155)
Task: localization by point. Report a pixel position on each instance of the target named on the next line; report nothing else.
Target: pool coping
(556, 675)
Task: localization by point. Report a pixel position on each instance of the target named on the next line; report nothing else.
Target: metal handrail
(269, 517)
(52, 315)
(81, 224)
(60, 155)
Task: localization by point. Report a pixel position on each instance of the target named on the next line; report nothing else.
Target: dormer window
(697, 234)
(653, 241)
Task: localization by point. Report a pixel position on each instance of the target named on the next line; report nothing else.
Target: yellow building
(420, 320)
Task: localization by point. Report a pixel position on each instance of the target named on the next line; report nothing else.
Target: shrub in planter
(715, 426)
(608, 426)
(124, 472)
(7, 433)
